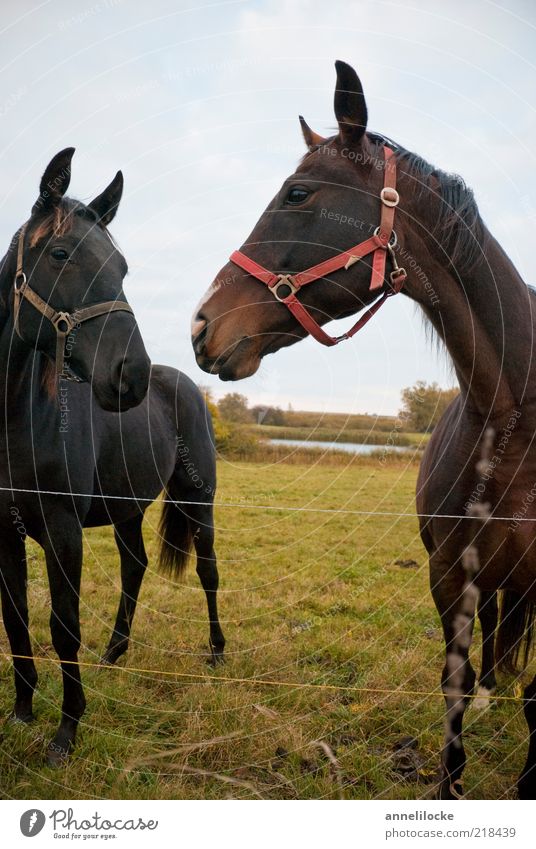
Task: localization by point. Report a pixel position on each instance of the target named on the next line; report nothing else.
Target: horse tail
(515, 636)
(176, 531)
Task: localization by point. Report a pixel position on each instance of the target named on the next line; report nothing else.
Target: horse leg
(454, 753)
(487, 614)
(64, 565)
(447, 584)
(13, 576)
(202, 517)
(129, 539)
(526, 785)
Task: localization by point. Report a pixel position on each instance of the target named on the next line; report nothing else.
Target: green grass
(306, 598)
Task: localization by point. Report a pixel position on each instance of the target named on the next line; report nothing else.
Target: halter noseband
(284, 287)
(63, 322)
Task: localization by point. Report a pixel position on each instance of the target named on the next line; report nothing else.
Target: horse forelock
(60, 221)
(56, 223)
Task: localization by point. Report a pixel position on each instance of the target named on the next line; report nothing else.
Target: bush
(239, 443)
(233, 407)
(268, 416)
(424, 404)
(221, 429)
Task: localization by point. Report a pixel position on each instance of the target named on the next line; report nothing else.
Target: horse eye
(59, 254)
(297, 195)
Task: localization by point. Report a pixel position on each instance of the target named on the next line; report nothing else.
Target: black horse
(64, 316)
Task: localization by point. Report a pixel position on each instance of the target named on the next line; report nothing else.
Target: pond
(349, 447)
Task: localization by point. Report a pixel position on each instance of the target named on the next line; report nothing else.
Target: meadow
(315, 601)
(251, 440)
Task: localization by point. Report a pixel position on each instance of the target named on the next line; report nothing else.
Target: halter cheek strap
(284, 287)
(63, 322)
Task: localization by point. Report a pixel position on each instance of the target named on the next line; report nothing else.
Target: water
(349, 447)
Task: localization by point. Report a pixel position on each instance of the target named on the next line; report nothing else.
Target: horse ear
(105, 205)
(312, 139)
(55, 181)
(350, 106)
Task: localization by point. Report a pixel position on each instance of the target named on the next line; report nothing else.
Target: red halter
(285, 286)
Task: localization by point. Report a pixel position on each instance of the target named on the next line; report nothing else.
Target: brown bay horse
(479, 306)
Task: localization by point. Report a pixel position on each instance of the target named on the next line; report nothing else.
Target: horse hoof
(216, 658)
(23, 718)
(482, 700)
(111, 655)
(57, 756)
(450, 792)
(215, 661)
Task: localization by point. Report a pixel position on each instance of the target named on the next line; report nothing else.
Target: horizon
(290, 408)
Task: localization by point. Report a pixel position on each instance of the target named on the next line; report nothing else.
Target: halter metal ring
(283, 280)
(22, 277)
(393, 241)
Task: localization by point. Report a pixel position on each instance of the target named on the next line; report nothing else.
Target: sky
(198, 104)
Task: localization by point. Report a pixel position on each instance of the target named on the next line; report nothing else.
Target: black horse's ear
(55, 181)
(312, 139)
(350, 106)
(105, 205)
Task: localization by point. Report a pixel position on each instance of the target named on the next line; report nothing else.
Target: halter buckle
(283, 280)
(389, 196)
(65, 318)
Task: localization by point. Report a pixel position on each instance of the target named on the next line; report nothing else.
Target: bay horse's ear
(105, 205)
(55, 181)
(350, 106)
(312, 139)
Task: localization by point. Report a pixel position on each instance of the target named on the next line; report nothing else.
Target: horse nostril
(199, 324)
(199, 333)
(120, 376)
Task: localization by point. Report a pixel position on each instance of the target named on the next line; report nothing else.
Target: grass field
(307, 598)
(340, 421)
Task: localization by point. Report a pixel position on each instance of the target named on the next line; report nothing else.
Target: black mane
(458, 227)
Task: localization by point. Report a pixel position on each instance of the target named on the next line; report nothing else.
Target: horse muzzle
(124, 386)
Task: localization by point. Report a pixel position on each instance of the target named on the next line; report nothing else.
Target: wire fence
(269, 507)
(272, 507)
(263, 682)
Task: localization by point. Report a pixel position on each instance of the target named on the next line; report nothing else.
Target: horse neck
(23, 373)
(485, 321)
(23, 389)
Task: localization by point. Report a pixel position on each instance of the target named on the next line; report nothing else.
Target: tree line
(423, 404)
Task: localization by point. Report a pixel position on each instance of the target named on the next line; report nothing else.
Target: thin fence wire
(273, 507)
(263, 682)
